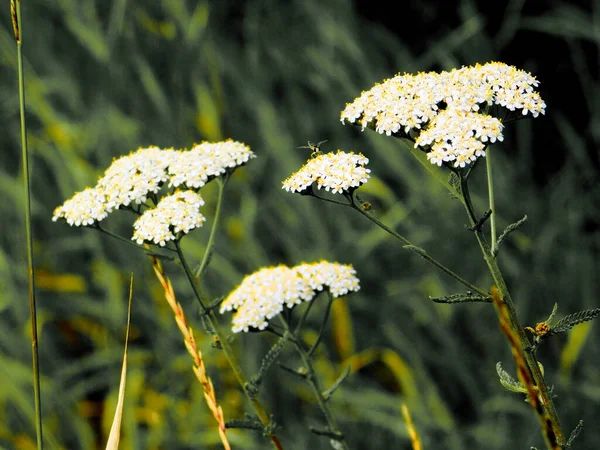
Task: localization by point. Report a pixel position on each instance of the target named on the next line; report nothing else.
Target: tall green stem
(490, 180)
(514, 322)
(323, 323)
(312, 379)
(259, 409)
(15, 8)
(211, 239)
(420, 251)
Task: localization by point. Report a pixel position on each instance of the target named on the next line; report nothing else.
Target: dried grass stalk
(190, 344)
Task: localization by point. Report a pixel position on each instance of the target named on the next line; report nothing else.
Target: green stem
(420, 251)
(323, 323)
(211, 239)
(488, 165)
(259, 409)
(190, 277)
(514, 322)
(328, 200)
(312, 379)
(304, 316)
(15, 7)
(129, 242)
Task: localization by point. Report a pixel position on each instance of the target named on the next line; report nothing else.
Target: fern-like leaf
(509, 229)
(568, 322)
(509, 382)
(574, 434)
(468, 297)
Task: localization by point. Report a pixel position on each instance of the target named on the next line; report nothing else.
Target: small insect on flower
(315, 148)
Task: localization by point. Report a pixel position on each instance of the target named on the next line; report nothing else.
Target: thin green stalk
(304, 316)
(15, 9)
(130, 242)
(488, 165)
(323, 323)
(211, 239)
(420, 251)
(259, 409)
(312, 379)
(514, 322)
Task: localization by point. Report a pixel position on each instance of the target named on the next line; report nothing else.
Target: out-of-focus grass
(104, 78)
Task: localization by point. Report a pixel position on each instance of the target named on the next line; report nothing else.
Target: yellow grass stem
(190, 345)
(412, 431)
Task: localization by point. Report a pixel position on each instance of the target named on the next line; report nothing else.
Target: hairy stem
(258, 407)
(420, 251)
(312, 379)
(515, 325)
(15, 9)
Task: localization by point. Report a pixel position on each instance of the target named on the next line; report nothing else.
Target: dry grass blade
(115, 429)
(190, 344)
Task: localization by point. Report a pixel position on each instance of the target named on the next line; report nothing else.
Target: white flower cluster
(458, 136)
(131, 178)
(336, 172)
(263, 294)
(194, 168)
(174, 214)
(411, 103)
(84, 208)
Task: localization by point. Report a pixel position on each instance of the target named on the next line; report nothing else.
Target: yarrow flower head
(263, 294)
(194, 168)
(448, 108)
(84, 208)
(131, 179)
(177, 213)
(336, 172)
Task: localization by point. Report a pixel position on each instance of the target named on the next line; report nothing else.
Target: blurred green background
(106, 77)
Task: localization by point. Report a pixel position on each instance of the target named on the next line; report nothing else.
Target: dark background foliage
(104, 78)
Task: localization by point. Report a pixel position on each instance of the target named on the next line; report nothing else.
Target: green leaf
(268, 360)
(468, 297)
(552, 315)
(568, 322)
(509, 382)
(576, 432)
(329, 392)
(509, 229)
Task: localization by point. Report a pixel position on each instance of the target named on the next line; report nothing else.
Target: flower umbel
(336, 172)
(84, 208)
(263, 294)
(130, 179)
(459, 136)
(177, 213)
(194, 168)
(450, 108)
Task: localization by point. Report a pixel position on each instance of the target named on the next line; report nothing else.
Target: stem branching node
(479, 224)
